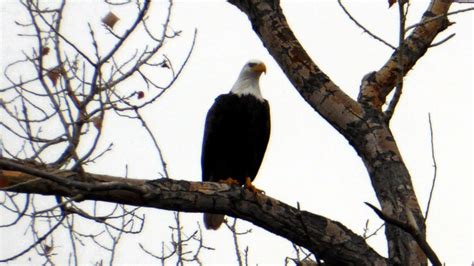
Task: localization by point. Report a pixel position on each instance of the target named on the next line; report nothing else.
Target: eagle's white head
(247, 82)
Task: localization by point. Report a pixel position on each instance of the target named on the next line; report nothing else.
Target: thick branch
(376, 88)
(332, 241)
(326, 98)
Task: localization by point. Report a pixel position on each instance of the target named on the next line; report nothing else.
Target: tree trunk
(361, 122)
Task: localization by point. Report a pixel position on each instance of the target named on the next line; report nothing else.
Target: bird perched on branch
(236, 135)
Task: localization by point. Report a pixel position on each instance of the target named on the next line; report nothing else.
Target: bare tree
(53, 113)
(79, 87)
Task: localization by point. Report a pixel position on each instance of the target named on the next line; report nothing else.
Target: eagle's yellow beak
(260, 68)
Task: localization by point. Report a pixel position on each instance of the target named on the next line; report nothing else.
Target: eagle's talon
(230, 181)
(248, 185)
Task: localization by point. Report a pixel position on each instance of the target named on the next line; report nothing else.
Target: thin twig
(414, 232)
(233, 230)
(61, 204)
(439, 16)
(179, 243)
(70, 228)
(364, 28)
(10, 188)
(401, 38)
(52, 28)
(367, 236)
(155, 142)
(20, 213)
(435, 168)
(305, 228)
(443, 40)
(38, 241)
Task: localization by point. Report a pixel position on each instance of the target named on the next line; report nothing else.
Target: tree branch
(399, 85)
(331, 240)
(435, 168)
(358, 24)
(413, 231)
(36, 242)
(319, 91)
(374, 92)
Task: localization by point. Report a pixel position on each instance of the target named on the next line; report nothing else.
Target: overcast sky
(307, 161)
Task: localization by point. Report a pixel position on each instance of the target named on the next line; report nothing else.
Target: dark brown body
(235, 139)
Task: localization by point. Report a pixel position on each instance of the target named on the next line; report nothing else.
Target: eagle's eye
(252, 64)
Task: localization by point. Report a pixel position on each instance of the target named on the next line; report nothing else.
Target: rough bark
(361, 122)
(382, 82)
(332, 241)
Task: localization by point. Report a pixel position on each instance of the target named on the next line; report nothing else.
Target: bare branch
(443, 40)
(19, 213)
(442, 16)
(366, 234)
(374, 92)
(364, 28)
(413, 231)
(235, 234)
(155, 142)
(277, 217)
(435, 167)
(401, 38)
(38, 241)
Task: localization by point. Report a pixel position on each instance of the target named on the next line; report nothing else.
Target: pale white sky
(307, 161)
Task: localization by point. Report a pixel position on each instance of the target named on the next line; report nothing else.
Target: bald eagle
(236, 135)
